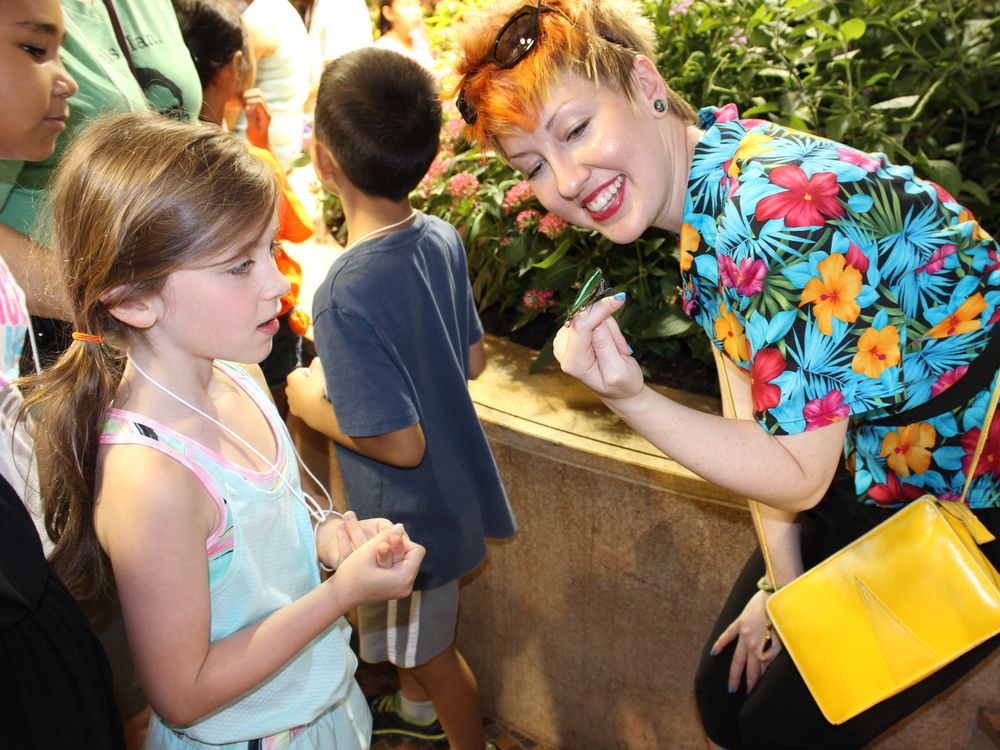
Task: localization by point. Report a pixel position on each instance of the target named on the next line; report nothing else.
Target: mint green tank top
(263, 557)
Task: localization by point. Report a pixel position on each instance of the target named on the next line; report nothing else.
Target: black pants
(780, 713)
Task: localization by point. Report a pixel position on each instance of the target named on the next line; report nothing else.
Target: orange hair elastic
(89, 338)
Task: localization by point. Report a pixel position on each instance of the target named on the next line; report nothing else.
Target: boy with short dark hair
(398, 334)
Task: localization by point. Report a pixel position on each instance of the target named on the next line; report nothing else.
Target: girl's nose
(63, 85)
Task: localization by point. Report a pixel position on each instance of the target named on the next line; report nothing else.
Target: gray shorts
(409, 632)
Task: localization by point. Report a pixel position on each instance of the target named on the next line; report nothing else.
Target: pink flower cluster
(551, 225)
(539, 299)
(463, 185)
(680, 7)
(517, 195)
(527, 219)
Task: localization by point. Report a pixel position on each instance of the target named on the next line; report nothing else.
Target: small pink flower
(527, 219)
(463, 185)
(680, 7)
(517, 195)
(823, 411)
(748, 278)
(947, 379)
(936, 263)
(452, 130)
(858, 159)
(551, 225)
(539, 299)
(738, 38)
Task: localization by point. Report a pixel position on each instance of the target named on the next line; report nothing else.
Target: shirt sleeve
(370, 391)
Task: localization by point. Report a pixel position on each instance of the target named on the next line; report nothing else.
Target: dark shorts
(780, 713)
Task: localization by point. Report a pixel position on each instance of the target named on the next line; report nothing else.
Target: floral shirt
(847, 288)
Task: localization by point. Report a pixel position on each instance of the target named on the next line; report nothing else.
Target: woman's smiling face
(595, 159)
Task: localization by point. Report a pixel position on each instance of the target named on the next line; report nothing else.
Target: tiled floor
(377, 679)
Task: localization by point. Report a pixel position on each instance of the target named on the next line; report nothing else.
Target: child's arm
(154, 533)
(307, 400)
(477, 359)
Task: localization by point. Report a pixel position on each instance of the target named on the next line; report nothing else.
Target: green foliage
(918, 81)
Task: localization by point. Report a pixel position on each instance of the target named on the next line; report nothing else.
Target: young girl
(401, 29)
(222, 51)
(172, 466)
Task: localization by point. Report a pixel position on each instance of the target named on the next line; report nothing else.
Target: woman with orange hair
(852, 307)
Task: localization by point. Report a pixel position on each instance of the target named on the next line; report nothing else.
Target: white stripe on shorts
(412, 614)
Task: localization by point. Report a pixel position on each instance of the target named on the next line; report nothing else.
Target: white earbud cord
(313, 508)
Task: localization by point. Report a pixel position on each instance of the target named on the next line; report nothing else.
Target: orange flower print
(834, 294)
(729, 331)
(690, 239)
(977, 231)
(878, 350)
(907, 450)
(963, 320)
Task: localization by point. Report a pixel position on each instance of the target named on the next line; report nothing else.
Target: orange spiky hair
(595, 39)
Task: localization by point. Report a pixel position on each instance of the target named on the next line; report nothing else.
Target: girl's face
(226, 309)
(596, 160)
(34, 85)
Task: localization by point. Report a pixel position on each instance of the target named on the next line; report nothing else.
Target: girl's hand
(349, 535)
(258, 116)
(305, 388)
(382, 568)
(592, 349)
(757, 645)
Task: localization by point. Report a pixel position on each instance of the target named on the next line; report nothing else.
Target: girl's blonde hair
(595, 39)
(135, 198)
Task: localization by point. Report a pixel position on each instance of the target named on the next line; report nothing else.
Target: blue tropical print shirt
(847, 288)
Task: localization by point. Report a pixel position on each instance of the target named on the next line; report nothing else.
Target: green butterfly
(591, 291)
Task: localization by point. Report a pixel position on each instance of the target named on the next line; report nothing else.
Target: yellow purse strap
(755, 507)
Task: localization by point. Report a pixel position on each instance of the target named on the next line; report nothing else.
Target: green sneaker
(386, 719)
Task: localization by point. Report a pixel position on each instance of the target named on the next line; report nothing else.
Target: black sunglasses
(513, 42)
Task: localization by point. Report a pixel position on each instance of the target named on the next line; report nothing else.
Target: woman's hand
(381, 568)
(592, 349)
(258, 116)
(756, 646)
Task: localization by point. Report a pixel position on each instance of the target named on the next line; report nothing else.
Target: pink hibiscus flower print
(767, 365)
(805, 200)
(947, 379)
(858, 159)
(823, 411)
(748, 278)
(936, 263)
(856, 259)
(990, 459)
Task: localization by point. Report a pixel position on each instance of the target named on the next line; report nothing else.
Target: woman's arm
(787, 472)
(154, 533)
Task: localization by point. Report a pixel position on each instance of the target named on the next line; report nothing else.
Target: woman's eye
(578, 130)
(534, 171)
(241, 268)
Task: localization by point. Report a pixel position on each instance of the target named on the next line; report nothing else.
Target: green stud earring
(659, 105)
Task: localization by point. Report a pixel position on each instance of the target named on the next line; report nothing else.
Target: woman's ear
(648, 84)
(137, 312)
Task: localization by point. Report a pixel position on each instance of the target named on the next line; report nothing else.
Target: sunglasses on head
(513, 42)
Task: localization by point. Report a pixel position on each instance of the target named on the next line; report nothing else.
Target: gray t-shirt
(393, 323)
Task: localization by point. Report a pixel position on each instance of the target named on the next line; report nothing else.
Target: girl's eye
(37, 53)
(242, 268)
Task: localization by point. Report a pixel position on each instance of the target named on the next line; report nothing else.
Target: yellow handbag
(894, 606)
